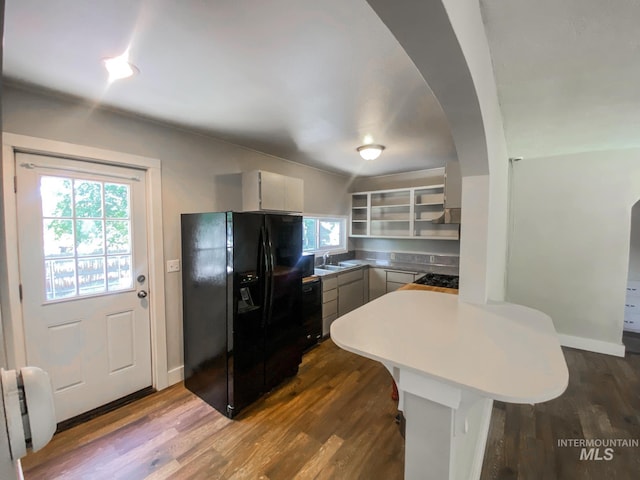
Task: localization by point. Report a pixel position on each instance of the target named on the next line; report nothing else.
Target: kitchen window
(321, 234)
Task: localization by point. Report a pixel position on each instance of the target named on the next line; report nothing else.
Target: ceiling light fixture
(119, 67)
(371, 151)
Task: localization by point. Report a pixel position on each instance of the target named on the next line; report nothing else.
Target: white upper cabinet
(293, 194)
(267, 191)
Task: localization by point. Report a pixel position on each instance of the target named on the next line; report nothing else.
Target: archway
(447, 42)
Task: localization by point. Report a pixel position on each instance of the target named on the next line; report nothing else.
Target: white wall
(569, 239)
(199, 173)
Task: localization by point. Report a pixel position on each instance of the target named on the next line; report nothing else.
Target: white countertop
(502, 351)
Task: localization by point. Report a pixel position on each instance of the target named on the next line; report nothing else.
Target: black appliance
(312, 312)
(242, 305)
(307, 264)
(438, 280)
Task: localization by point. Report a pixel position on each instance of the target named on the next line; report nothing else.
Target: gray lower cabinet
(342, 293)
(377, 282)
(396, 279)
(350, 291)
(384, 280)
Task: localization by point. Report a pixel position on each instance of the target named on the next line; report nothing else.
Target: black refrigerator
(242, 305)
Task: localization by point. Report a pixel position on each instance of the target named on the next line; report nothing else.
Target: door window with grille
(86, 227)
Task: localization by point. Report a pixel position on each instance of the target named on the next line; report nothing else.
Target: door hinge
(20, 291)
(15, 184)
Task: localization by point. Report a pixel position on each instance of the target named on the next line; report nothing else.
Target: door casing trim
(12, 317)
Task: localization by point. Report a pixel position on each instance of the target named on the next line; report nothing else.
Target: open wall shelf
(401, 213)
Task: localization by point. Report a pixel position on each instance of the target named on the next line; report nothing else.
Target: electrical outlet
(173, 266)
(393, 256)
(432, 259)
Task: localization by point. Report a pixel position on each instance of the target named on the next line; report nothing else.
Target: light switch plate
(173, 266)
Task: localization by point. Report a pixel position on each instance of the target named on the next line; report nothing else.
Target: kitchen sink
(333, 268)
(321, 271)
(327, 269)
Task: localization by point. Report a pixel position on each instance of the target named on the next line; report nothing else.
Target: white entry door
(83, 267)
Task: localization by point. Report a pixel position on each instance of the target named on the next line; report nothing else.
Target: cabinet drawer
(632, 322)
(632, 305)
(399, 277)
(329, 283)
(329, 295)
(330, 308)
(633, 289)
(348, 277)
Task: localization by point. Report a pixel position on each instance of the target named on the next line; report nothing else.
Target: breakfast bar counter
(450, 360)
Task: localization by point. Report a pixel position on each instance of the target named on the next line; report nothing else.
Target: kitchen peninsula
(451, 360)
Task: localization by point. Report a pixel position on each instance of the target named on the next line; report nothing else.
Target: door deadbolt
(141, 278)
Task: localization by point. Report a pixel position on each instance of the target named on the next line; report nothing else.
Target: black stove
(438, 280)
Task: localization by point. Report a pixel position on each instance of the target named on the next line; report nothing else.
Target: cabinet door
(293, 194)
(377, 283)
(350, 297)
(272, 191)
(365, 285)
(393, 286)
(326, 324)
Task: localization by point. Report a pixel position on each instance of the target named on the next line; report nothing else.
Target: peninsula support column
(446, 429)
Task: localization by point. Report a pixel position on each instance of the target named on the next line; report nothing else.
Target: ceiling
(567, 72)
(308, 81)
(298, 79)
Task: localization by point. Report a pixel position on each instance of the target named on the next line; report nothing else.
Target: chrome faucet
(325, 257)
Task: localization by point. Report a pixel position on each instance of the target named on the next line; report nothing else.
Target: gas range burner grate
(438, 280)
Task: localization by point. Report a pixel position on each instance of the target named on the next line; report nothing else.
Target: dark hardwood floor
(335, 420)
(602, 401)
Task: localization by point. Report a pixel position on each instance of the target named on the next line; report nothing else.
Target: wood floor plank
(320, 459)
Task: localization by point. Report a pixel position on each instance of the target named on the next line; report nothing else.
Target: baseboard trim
(591, 345)
(175, 375)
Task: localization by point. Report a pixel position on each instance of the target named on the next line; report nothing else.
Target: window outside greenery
(321, 234)
(86, 236)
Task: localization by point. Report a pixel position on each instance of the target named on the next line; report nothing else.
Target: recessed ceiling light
(371, 151)
(119, 67)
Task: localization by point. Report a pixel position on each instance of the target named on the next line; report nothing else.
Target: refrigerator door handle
(270, 273)
(266, 273)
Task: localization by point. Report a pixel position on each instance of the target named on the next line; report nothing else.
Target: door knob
(142, 294)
